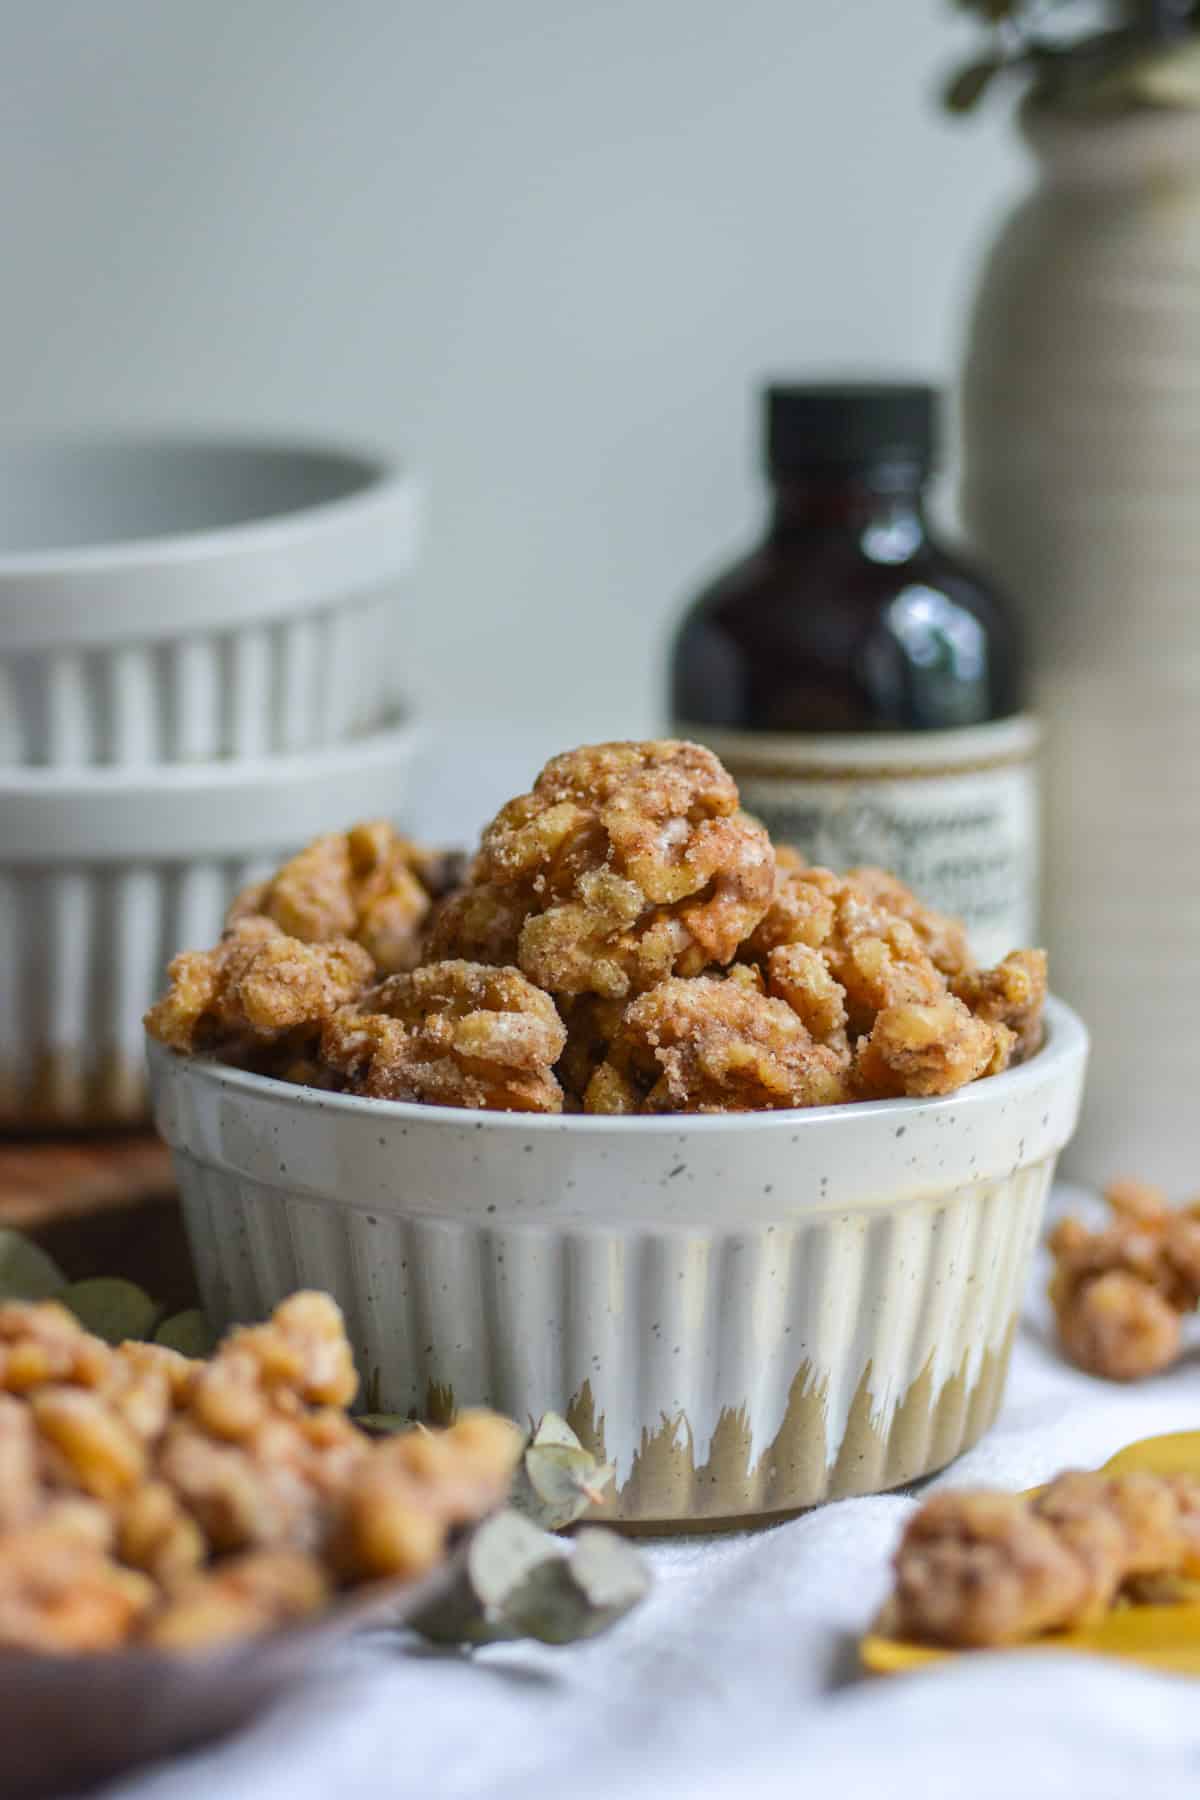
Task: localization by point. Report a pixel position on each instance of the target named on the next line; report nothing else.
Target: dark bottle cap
(850, 425)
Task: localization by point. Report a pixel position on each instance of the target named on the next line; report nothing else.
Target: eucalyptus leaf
(515, 1581)
(500, 1554)
(557, 1480)
(564, 1599)
(188, 1332)
(112, 1308)
(26, 1272)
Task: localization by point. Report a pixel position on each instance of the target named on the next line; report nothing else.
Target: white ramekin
(747, 1313)
(105, 873)
(175, 601)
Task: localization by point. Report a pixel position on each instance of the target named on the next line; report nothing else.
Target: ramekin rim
(387, 480)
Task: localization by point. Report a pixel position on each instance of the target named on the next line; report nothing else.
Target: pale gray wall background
(544, 247)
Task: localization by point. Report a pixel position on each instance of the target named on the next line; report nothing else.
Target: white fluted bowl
(174, 600)
(106, 873)
(747, 1313)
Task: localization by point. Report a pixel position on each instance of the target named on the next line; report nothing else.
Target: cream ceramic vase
(1081, 488)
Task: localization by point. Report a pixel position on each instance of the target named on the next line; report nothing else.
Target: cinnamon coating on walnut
(630, 862)
(451, 1034)
(928, 1048)
(1119, 1293)
(980, 1569)
(368, 883)
(257, 987)
(711, 1045)
(1012, 994)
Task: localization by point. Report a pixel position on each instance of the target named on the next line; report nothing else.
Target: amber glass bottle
(863, 683)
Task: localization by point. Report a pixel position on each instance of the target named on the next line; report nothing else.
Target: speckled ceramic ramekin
(747, 1313)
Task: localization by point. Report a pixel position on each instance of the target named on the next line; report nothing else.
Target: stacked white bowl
(193, 682)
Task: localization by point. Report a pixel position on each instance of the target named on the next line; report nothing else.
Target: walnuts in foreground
(149, 1498)
(981, 1568)
(624, 940)
(1119, 1293)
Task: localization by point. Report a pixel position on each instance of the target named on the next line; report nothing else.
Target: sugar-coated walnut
(980, 1569)
(802, 905)
(932, 1048)
(800, 976)
(712, 1045)
(943, 938)
(60, 1594)
(452, 1034)
(480, 922)
(1119, 1292)
(629, 862)
(1011, 994)
(243, 1596)
(257, 986)
(368, 884)
(975, 1569)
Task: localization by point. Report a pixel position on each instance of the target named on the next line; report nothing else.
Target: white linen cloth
(738, 1676)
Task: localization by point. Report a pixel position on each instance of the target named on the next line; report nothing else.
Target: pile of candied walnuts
(149, 1498)
(625, 940)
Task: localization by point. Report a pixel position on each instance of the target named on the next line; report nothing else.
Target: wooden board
(103, 1205)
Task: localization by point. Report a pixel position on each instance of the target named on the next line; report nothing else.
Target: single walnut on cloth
(452, 1034)
(1119, 1293)
(627, 863)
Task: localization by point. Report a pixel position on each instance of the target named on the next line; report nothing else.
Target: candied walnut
(364, 884)
(479, 923)
(800, 975)
(257, 985)
(452, 1034)
(802, 906)
(95, 1447)
(879, 961)
(155, 1534)
(1011, 994)
(1118, 1293)
(20, 1483)
(302, 1347)
(975, 1569)
(943, 938)
(43, 1342)
(629, 862)
(928, 1049)
(708, 1045)
(244, 1596)
(1120, 1326)
(978, 1569)
(591, 1024)
(60, 1594)
(417, 1487)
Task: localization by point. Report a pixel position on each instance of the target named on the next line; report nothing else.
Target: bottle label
(953, 813)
